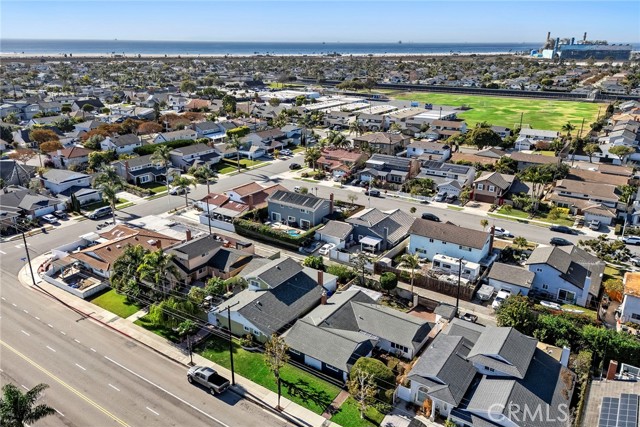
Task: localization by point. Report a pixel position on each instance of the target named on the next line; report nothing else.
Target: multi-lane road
(101, 378)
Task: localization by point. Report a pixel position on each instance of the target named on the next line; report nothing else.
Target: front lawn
(349, 415)
(154, 187)
(591, 314)
(101, 204)
(249, 163)
(167, 333)
(115, 303)
(223, 170)
(540, 216)
(297, 385)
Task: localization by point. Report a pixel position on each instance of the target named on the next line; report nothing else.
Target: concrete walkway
(336, 404)
(290, 412)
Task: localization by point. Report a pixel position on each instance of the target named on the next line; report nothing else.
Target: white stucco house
(630, 307)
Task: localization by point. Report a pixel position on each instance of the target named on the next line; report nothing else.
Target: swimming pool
(292, 232)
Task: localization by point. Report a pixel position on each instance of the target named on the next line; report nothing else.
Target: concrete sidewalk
(291, 411)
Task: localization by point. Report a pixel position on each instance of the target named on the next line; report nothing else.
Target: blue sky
(313, 21)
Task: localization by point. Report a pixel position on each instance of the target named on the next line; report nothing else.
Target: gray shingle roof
(58, 176)
(124, 140)
(516, 348)
(511, 274)
(337, 229)
(198, 246)
(449, 232)
(191, 149)
(396, 222)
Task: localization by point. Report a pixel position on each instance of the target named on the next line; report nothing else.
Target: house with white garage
(194, 155)
(176, 135)
(59, 180)
(337, 232)
(512, 278)
(569, 275)
(28, 204)
(377, 230)
(121, 143)
(429, 238)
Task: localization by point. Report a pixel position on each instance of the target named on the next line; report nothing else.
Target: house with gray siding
(298, 210)
(378, 230)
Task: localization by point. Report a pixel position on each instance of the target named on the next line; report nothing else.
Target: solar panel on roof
(609, 412)
(628, 410)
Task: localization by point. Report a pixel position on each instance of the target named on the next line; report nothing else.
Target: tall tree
(311, 157)
(110, 195)
(108, 174)
(362, 388)
(516, 312)
(18, 409)
(124, 276)
(568, 128)
(621, 151)
(182, 183)
(158, 269)
(23, 155)
(275, 356)
(163, 156)
(412, 262)
(236, 144)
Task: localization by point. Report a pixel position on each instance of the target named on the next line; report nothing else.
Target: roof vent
(151, 242)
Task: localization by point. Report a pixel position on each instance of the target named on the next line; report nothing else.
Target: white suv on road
(500, 298)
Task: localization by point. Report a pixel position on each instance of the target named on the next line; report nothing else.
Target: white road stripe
(152, 411)
(25, 311)
(14, 304)
(51, 349)
(114, 387)
(76, 341)
(58, 412)
(84, 369)
(167, 391)
(63, 332)
(93, 349)
(50, 325)
(37, 318)
(24, 387)
(26, 333)
(3, 252)
(4, 299)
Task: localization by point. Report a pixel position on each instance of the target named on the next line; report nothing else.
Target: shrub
(342, 272)
(388, 281)
(384, 378)
(151, 148)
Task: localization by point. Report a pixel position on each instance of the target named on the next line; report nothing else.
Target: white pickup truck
(208, 378)
(502, 295)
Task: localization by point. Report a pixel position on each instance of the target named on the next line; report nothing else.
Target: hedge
(265, 233)
(151, 148)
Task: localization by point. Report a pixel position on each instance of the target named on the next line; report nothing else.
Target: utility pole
(26, 249)
(521, 117)
(208, 208)
(459, 279)
(581, 126)
(233, 374)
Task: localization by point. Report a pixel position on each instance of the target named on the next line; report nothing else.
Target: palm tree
(236, 144)
(305, 121)
(110, 195)
(158, 268)
(356, 127)
(18, 409)
(125, 267)
(108, 174)
(568, 127)
(182, 183)
(311, 157)
(162, 155)
(412, 262)
(204, 174)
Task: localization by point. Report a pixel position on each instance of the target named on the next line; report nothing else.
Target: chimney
(584, 37)
(491, 236)
(548, 35)
(126, 168)
(320, 277)
(188, 233)
(564, 357)
(250, 201)
(613, 368)
(331, 203)
(323, 298)
(59, 153)
(573, 40)
(158, 244)
(386, 237)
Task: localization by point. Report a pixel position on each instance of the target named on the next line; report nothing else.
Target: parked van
(100, 212)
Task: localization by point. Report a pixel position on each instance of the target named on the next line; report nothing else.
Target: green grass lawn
(349, 416)
(297, 385)
(248, 162)
(155, 187)
(610, 271)
(454, 208)
(540, 216)
(505, 111)
(547, 153)
(167, 333)
(591, 314)
(226, 169)
(115, 303)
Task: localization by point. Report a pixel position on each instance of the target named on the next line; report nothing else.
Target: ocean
(135, 47)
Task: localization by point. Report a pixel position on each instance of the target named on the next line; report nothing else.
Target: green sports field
(504, 111)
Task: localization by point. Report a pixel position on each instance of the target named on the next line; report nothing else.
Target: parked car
(563, 229)
(373, 193)
(50, 219)
(355, 182)
(501, 232)
(430, 217)
(313, 246)
(594, 225)
(440, 197)
(178, 190)
(500, 298)
(295, 166)
(286, 152)
(326, 248)
(470, 317)
(559, 241)
(60, 214)
(631, 240)
(100, 212)
(209, 378)
(635, 261)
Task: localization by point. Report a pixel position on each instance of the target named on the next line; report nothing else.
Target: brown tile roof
(593, 189)
(593, 176)
(248, 188)
(534, 158)
(215, 199)
(473, 158)
(72, 152)
(615, 170)
(382, 138)
(198, 103)
(448, 232)
(339, 154)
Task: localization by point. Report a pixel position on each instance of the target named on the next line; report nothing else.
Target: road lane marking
(93, 349)
(114, 387)
(81, 367)
(51, 349)
(167, 391)
(37, 318)
(63, 332)
(153, 411)
(4, 299)
(50, 325)
(58, 412)
(26, 333)
(24, 387)
(14, 304)
(25, 311)
(3, 252)
(76, 340)
(67, 386)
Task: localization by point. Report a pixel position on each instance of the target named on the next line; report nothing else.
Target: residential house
(339, 162)
(339, 118)
(253, 194)
(210, 256)
(599, 212)
(527, 138)
(630, 307)
(502, 131)
(598, 177)
(194, 155)
(100, 258)
(526, 160)
(389, 169)
(377, 230)
(177, 102)
(488, 156)
(475, 376)
(219, 211)
(429, 150)
(74, 157)
(60, 180)
(402, 117)
(492, 187)
(198, 105)
(14, 173)
(382, 142)
(176, 135)
(121, 143)
(512, 278)
(279, 292)
(298, 210)
(578, 195)
(28, 204)
(337, 232)
(211, 130)
(572, 276)
(272, 139)
(443, 173)
(443, 129)
(349, 325)
(141, 170)
(252, 146)
(95, 103)
(428, 238)
(374, 118)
